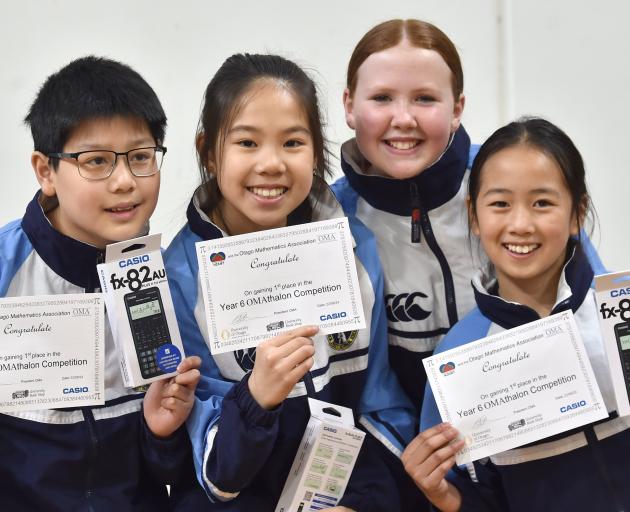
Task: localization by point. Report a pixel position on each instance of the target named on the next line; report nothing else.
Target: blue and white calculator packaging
(140, 310)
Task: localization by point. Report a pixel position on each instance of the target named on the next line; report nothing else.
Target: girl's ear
(578, 220)
(458, 110)
(348, 107)
(207, 158)
(472, 218)
(44, 172)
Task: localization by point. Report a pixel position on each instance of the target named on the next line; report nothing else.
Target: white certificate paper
(516, 387)
(258, 285)
(51, 352)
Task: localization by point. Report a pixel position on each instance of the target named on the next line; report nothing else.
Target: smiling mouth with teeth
(125, 209)
(521, 249)
(267, 192)
(399, 144)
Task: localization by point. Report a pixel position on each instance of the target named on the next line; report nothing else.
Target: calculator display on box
(148, 327)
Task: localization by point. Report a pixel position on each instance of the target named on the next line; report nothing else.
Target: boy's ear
(44, 172)
(472, 219)
(348, 106)
(458, 110)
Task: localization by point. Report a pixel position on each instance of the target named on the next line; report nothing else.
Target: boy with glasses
(97, 129)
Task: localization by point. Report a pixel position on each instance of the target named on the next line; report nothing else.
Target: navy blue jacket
(90, 458)
(243, 453)
(584, 469)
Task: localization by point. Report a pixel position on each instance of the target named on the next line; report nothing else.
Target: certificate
(516, 387)
(51, 352)
(258, 285)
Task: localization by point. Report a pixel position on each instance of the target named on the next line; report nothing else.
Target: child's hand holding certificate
(516, 387)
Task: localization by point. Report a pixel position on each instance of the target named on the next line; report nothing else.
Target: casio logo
(332, 316)
(67, 391)
(620, 292)
(330, 429)
(133, 261)
(575, 405)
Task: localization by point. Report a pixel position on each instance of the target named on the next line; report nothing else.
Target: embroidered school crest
(342, 340)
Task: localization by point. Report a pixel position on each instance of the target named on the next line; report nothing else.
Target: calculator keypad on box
(150, 333)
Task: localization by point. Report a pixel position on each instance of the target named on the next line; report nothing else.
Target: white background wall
(556, 58)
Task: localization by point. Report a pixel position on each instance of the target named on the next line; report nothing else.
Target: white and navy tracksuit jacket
(585, 469)
(242, 452)
(427, 281)
(89, 458)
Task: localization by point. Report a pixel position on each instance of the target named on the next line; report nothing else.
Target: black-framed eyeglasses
(100, 163)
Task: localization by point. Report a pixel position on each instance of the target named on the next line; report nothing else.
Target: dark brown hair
(224, 97)
(546, 137)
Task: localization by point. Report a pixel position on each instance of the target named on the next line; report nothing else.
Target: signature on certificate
(243, 318)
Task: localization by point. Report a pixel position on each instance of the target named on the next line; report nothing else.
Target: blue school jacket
(584, 469)
(89, 458)
(242, 452)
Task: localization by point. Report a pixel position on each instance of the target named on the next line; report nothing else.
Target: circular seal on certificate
(342, 340)
(246, 358)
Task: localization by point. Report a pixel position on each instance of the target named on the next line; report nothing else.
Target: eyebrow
(254, 129)
(142, 142)
(541, 190)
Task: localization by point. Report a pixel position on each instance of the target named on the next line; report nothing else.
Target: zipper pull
(416, 229)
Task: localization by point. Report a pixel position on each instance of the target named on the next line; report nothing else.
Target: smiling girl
(527, 202)
(263, 159)
(405, 178)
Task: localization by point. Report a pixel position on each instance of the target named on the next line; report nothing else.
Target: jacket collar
(435, 185)
(575, 282)
(71, 259)
(321, 204)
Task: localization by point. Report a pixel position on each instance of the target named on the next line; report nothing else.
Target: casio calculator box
(324, 460)
(140, 310)
(613, 304)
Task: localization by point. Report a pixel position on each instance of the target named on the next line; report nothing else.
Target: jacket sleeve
(371, 487)
(232, 439)
(480, 487)
(165, 458)
(385, 410)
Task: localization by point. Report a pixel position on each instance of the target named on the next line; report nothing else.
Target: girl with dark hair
(527, 202)
(262, 158)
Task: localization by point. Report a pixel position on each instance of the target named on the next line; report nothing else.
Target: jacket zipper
(415, 214)
(424, 223)
(90, 422)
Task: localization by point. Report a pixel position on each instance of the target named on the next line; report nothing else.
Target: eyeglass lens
(99, 164)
